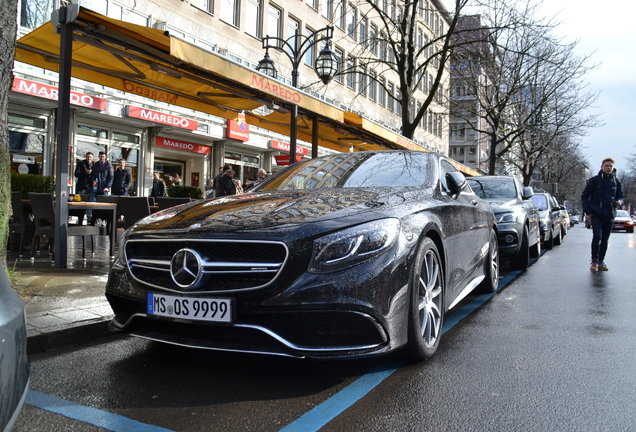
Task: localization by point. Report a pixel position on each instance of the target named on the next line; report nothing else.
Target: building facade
(154, 135)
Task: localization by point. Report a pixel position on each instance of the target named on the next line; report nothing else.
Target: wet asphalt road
(554, 350)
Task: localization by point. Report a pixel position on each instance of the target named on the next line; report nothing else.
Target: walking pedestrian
(226, 184)
(602, 195)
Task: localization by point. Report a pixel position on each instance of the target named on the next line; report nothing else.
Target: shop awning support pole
(63, 18)
(314, 137)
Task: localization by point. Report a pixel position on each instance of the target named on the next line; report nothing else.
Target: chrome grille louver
(227, 265)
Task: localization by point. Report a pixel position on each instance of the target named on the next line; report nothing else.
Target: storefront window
(122, 136)
(27, 121)
(27, 136)
(93, 132)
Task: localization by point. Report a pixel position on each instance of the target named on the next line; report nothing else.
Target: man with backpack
(602, 195)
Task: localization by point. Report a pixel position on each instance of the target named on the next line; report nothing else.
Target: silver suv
(517, 217)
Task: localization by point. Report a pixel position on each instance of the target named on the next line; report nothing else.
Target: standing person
(237, 186)
(83, 173)
(121, 179)
(176, 179)
(102, 176)
(603, 193)
(226, 184)
(216, 184)
(158, 186)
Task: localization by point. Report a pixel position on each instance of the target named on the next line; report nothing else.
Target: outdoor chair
(44, 214)
(21, 224)
(131, 209)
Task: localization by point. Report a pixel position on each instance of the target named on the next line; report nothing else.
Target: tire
(559, 238)
(550, 243)
(426, 310)
(535, 251)
(521, 261)
(490, 284)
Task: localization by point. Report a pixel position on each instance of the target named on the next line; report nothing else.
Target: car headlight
(353, 245)
(506, 217)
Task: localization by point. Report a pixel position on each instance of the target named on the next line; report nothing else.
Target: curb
(69, 336)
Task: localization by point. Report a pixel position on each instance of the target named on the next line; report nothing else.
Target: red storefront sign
(49, 92)
(182, 145)
(237, 129)
(159, 117)
(282, 146)
(284, 159)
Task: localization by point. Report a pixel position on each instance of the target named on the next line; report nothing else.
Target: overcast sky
(607, 31)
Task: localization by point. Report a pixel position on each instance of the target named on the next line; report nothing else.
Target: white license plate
(191, 308)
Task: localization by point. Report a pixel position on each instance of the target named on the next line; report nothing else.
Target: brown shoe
(602, 266)
(594, 265)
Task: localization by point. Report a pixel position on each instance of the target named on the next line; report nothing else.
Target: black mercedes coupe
(349, 255)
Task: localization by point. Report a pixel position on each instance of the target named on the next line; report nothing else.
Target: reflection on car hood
(268, 210)
(500, 205)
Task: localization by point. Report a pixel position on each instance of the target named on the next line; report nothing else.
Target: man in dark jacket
(83, 173)
(603, 193)
(121, 179)
(158, 186)
(102, 176)
(226, 184)
(216, 184)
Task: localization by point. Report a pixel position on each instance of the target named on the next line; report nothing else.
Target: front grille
(226, 265)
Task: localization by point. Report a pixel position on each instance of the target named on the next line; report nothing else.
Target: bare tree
(8, 26)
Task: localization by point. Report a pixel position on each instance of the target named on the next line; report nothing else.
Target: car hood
(622, 219)
(274, 211)
(500, 205)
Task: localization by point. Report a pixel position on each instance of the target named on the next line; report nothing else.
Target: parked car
(516, 215)
(623, 221)
(348, 255)
(550, 217)
(575, 219)
(565, 220)
(14, 365)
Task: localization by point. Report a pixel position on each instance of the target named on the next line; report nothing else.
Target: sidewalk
(64, 307)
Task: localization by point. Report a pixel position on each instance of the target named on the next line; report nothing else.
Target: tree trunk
(8, 26)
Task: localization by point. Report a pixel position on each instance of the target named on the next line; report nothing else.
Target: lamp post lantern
(295, 48)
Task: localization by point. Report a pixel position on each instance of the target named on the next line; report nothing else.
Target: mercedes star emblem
(186, 268)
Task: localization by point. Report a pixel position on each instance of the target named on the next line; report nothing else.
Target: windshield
(541, 201)
(493, 188)
(622, 213)
(355, 170)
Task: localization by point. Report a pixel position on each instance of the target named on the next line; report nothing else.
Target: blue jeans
(601, 231)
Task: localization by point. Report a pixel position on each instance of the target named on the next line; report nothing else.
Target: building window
(351, 21)
(351, 72)
(339, 54)
(253, 18)
(364, 24)
(373, 39)
(293, 27)
(273, 21)
(381, 92)
(362, 81)
(230, 12)
(313, 4)
(398, 102)
(310, 53)
(390, 98)
(372, 86)
(327, 9)
(34, 13)
(206, 5)
(340, 15)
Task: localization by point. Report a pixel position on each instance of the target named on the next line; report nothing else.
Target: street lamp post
(295, 48)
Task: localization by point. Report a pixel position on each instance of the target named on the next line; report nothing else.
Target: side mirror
(456, 182)
(527, 192)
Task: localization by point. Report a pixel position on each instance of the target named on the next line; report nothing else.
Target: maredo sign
(49, 92)
(282, 146)
(182, 145)
(237, 129)
(159, 117)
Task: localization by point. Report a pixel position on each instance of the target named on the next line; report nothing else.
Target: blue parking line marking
(322, 414)
(96, 417)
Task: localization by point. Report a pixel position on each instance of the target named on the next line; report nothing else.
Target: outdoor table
(101, 210)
